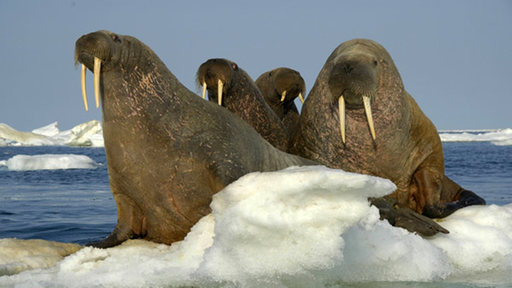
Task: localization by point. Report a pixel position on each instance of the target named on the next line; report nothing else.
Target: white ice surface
(48, 162)
(299, 227)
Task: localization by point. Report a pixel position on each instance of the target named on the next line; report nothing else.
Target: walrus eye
(115, 38)
(375, 62)
(269, 74)
(235, 67)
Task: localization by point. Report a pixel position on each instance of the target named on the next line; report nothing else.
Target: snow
(299, 227)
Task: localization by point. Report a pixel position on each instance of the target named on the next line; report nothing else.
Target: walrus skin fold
(168, 151)
(359, 118)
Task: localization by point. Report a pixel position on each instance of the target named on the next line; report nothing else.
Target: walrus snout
(289, 84)
(353, 79)
(215, 74)
(98, 44)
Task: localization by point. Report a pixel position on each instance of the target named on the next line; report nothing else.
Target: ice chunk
(49, 162)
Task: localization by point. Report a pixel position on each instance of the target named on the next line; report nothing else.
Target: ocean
(76, 206)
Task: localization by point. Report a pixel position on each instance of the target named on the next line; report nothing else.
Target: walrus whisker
(219, 91)
(84, 91)
(368, 110)
(301, 98)
(341, 106)
(97, 71)
(204, 90)
(283, 95)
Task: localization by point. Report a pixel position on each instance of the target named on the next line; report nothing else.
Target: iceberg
(298, 227)
(48, 162)
(48, 130)
(500, 137)
(85, 134)
(10, 136)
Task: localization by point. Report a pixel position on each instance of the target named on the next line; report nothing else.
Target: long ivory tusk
(283, 95)
(301, 99)
(219, 91)
(97, 72)
(368, 110)
(341, 103)
(84, 91)
(204, 90)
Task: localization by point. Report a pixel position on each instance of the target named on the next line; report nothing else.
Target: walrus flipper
(115, 238)
(130, 221)
(414, 222)
(408, 219)
(441, 210)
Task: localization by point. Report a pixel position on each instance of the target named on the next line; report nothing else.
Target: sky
(455, 57)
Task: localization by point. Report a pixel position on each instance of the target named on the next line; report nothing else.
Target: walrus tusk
(84, 91)
(301, 99)
(368, 110)
(341, 103)
(204, 90)
(283, 95)
(219, 91)
(97, 70)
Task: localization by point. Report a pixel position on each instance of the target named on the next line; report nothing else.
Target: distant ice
(299, 227)
(501, 137)
(48, 162)
(48, 130)
(86, 134)
(90, 134)
(10, 136)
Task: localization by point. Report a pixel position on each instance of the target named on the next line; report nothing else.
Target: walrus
(358, 117)
(231, 87)
(280, 87)
(168, 151)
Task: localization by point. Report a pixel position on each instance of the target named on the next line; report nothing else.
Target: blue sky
(455, 57)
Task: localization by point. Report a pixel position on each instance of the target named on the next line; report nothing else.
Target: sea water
(252, 239)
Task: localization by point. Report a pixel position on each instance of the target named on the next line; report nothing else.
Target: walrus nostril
(347, 68)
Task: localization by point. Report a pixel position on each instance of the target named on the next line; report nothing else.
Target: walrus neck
(142, 92)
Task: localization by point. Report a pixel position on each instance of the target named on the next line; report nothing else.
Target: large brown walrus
(359, 118)
(231, 87)
(280, 87)
(168, 151)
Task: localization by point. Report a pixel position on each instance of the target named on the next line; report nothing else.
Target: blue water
(73, 205)
(76, 205)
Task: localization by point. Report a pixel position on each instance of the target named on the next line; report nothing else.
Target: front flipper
(441, 210)
(414, 222)
(408, 219)
(115, 238)
(130, 223)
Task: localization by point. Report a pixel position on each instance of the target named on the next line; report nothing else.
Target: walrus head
(101, 51)
(287, 82)
(353, 81)
(216, 74)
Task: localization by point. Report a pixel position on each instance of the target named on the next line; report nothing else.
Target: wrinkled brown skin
(272, 84)
(242, 97)
(407, 149)
(168, 151)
